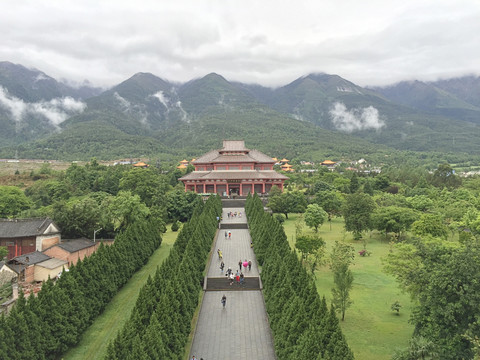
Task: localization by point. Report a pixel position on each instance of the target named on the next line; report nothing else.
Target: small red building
(22, 236)
(233, 170)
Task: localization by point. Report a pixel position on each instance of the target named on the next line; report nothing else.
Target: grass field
(372, 330)
(95, 340)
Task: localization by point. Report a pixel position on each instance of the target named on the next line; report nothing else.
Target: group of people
(245, 264)
(238, 277)
(228, 234)
(234, 214)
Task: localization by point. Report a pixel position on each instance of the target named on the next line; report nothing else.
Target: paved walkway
(239, 331)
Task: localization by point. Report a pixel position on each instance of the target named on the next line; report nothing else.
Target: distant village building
(140, 164)
(123, 162)
(233, 170)
(22, 236)
(329, 164)
(183, 164)
(287, 167)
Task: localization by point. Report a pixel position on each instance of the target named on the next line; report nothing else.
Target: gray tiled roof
(254, 156)
(17, 268)
(33, 258)
(261, 157)
(234, 145)
(52, 263)
(234, 175)
(75, 244)
(11, 228)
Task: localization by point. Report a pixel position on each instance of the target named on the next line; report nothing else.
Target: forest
(428, 222)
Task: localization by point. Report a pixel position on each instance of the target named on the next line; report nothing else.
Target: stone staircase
(223, 284)
(232, 226)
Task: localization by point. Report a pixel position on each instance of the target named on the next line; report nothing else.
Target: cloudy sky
(370, 42)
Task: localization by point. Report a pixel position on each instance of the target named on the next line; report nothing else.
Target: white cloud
(162, 98)
(355, 119)
(269, 42)
(16, 106)
(123, 102)
(183, 112)
(56, 110)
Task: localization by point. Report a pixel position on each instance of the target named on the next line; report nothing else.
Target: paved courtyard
(239, 331)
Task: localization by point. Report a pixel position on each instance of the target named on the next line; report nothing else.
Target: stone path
(239, 331)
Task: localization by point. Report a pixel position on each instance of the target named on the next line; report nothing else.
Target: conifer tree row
(45, 326)
(302, 325)
(160, 322)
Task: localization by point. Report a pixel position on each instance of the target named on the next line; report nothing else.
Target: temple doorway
(234, 190)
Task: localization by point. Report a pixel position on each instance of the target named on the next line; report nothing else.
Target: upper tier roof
(234, 145)
(233, 151)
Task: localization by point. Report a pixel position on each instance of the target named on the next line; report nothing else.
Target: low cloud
(162, 98)
(355, 119)
(17, 107)
(56, 110)
(123, 102)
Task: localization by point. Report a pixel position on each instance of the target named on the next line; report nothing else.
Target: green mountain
(466, 88)
(315, 117)
(32, 104)
(433, 99)
(32, 85)
(145, 115)
(334, 103)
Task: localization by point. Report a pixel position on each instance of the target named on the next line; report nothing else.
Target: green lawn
(95, 340)
(372, 330)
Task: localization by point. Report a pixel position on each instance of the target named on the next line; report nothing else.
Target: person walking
(242, 279)
(249, 265)
(231, 278)
(245, 264)
(240, 264)
(222, 266)
(224, 300)
(229, 234)
(226, 234)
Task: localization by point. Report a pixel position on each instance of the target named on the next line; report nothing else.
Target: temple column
(204, 188)
(228, 190)
(215, 187)
(263, 187)
(241, 189)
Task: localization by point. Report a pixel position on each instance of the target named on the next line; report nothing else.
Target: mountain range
(314, 117)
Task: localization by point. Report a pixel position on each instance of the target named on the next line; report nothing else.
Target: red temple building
(233, 170)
